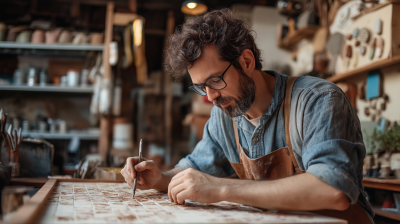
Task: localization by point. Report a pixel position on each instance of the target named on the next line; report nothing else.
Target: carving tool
(140, 158)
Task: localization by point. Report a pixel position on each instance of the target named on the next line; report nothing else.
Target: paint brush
(140, 158)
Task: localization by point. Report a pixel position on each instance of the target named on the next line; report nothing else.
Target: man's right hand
(149, 176)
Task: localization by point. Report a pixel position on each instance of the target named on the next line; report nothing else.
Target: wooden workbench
(94, 201)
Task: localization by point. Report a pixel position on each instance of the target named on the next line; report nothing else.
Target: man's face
(236, 98)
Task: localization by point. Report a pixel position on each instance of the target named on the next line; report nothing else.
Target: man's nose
(212, 94)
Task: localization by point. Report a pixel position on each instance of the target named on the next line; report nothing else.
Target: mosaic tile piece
(112, 203)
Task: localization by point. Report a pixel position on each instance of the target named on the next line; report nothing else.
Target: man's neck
(264, 91)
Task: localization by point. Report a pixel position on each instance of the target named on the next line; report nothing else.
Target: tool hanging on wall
(321, 59)
(134, 48)
(95, 78)
(139, 50)
(12, 141)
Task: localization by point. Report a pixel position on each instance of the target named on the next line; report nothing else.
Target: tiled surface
(113, 203)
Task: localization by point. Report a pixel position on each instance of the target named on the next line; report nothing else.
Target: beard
(246, 97)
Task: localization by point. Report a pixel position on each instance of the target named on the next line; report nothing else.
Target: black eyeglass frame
(203, 85)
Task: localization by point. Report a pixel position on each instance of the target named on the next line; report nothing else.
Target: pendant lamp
(193, 7)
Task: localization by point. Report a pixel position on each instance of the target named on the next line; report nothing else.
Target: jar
(64, 81)
(43, 77)
(62, 125)
(73, 77)
(18, 77)
(32, 77)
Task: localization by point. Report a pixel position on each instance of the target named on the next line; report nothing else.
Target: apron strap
(235, 129)
(288, 100)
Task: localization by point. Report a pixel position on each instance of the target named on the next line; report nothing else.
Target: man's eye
(216, 79)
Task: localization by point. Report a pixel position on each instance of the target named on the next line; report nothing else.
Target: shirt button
(255, 139)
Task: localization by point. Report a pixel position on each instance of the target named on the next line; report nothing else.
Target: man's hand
(149, 174)
(194, 185)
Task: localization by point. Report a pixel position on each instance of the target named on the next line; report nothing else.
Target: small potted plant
(387, 145)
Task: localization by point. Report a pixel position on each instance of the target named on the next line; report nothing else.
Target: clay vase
(65, 37)
(38, 37)
(97, 38)
(52, 36)
(24, 37)
(80, 38)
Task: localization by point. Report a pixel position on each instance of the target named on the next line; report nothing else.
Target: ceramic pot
(97, 38)
(80, 38)
(52, 36)
(375, 173)
(321, 65)
(38, 37)
(385, 171)
(24, 37)
(65, 37)
(397, 173)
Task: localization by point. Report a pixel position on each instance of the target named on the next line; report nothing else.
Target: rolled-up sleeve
(333, 149)
(208, 156)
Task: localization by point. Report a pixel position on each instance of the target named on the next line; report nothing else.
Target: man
(321, 143)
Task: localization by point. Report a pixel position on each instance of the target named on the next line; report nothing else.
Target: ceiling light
(193, 7)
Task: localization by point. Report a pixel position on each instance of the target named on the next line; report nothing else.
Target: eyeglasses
(214, 82)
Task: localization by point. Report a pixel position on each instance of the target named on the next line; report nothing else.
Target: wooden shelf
(82, 135)
(291, 40)
(47, 88)
(65, 47)
(384, 184)
(370, 67)
(385, 213)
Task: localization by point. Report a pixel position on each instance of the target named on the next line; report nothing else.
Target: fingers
(175, 190)
(176, 181)
(145, 165)
(128, 178)
(182, 196)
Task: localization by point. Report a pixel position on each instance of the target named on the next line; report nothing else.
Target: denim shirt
(324, 129)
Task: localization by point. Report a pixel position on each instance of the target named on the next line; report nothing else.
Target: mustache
(221, 100)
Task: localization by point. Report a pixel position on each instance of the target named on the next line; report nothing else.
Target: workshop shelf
(292, 39)
(47, 88)
(63, 47)
(384, 184)
(386, 213)
(359, 71)
(82, 135)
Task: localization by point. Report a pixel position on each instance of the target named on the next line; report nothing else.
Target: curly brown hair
(229, 35)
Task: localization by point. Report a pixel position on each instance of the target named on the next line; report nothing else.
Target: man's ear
(247, 61)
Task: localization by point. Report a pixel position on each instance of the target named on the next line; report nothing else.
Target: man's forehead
(208, 63)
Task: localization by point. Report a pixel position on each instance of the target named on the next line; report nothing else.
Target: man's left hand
(194, 185)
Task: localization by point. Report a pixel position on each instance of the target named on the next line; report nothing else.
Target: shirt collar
(278, 94)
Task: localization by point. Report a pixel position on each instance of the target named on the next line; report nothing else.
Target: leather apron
(282, 163)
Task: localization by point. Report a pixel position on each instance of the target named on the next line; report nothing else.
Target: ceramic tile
(113, 203)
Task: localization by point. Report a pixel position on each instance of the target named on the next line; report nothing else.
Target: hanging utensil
(9, 129)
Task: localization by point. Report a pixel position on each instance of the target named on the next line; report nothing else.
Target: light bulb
(191, 5)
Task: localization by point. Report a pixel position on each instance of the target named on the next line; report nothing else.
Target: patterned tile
(113, 203)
